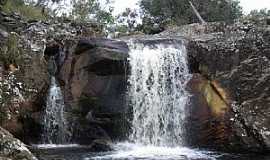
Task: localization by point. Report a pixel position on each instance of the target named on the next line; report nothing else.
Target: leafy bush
(10, 53)
(28, 11)
(91, 10)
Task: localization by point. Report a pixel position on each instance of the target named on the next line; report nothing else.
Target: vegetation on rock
(27, 10)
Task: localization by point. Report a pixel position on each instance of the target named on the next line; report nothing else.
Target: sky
(247, 5)
(121, 5)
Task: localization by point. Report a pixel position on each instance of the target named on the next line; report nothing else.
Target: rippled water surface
(128, 151)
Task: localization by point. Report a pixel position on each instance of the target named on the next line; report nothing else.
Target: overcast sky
(121, 5)
(247, 5)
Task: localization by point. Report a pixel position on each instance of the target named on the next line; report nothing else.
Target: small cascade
(54, 122)
(159, 74)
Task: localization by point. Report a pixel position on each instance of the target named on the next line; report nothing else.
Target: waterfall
(54, 131)
(159, 74)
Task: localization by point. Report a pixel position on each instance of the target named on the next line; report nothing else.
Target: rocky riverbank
(230, 103)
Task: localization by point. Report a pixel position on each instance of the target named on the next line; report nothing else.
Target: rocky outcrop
(25, 50)
(11, 148)
(91, 72)
(234, 61)
(94, 83)
(24, 78)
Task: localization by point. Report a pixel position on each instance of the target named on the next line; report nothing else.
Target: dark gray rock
(94, 84)
(112, 46)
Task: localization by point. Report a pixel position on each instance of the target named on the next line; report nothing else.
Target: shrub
(28, 11)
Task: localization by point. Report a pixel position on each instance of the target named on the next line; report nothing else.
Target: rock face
(91, 72)
(25, 68)
(94, 84)
(234, 60)
(11, 148)
(24, 77)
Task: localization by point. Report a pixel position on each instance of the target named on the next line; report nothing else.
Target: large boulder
(94, 84)
(11, 148)
(234, 61)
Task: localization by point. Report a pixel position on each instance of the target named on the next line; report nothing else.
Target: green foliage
(127, 21)
(179, 12)
(28, 11)
(91, 10)
(10, 53)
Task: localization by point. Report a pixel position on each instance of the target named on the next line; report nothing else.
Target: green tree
(179, 11)
(92, 10)
(127, 21)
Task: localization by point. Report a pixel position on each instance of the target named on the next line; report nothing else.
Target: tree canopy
(180, 12)
(86, 10)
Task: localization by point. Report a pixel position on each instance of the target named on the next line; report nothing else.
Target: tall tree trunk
(197, 13)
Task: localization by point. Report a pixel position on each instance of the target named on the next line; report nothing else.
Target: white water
(157, 83)
(157, 93)
(131, 151)
(55, 146)
(54, 131)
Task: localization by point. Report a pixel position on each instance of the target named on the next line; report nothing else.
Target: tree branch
(197, 13)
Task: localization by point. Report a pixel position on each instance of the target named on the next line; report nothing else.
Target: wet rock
(101, 145)
(85, 133)
(112, 46)
(268, 20)
(12, 148)
(237, 61)
(207, 114)
(94, 84)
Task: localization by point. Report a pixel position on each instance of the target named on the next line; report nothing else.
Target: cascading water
(158, 77)
(157, 93)
(54, 131)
